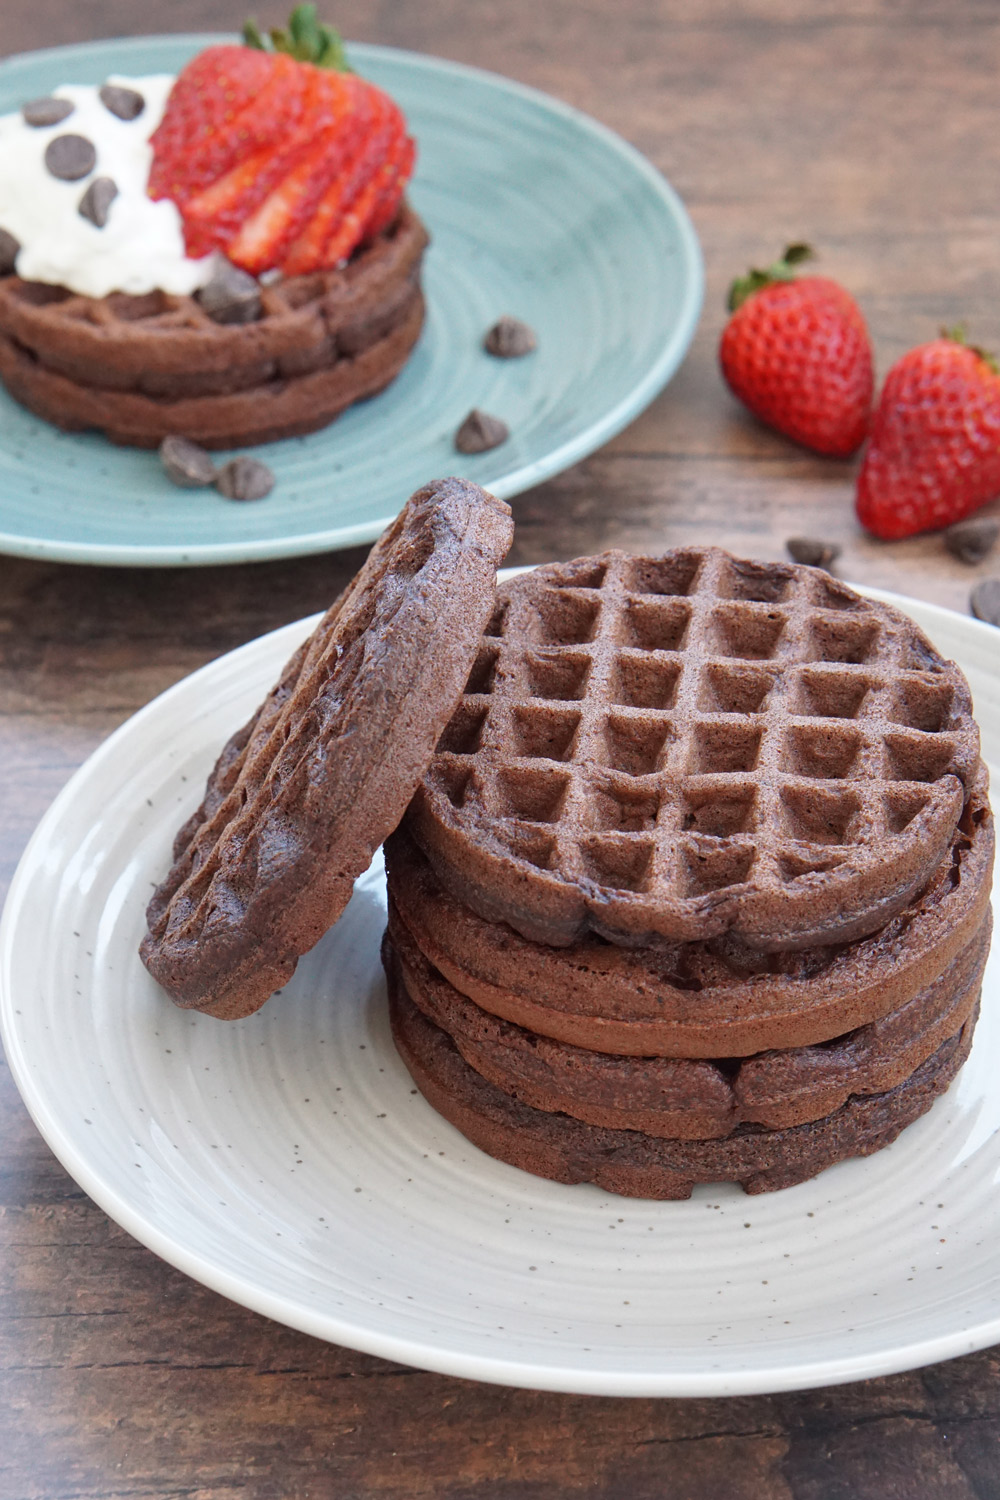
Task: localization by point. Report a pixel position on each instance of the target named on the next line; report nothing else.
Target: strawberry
(934, 452)
(225, 104)
(276, 155)
(797, 353)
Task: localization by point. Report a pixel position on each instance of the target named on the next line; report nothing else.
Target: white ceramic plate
(286, 1160)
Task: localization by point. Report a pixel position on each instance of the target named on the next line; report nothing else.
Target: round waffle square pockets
(688, 745)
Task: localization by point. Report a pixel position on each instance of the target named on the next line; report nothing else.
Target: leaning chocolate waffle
(634, 1163)
(140, 368)
(303, 795)
(712, 999)
(688, 745)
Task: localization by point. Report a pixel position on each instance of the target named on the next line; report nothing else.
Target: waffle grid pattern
(691, 727)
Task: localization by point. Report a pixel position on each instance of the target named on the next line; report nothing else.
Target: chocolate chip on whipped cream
(480, 432)
(232, 295)
(97, 200)
(47, 111)
(244, 479)
(127, 104)
(70, 157)
(9, 246)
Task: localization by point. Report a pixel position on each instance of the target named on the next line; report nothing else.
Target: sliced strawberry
(266, 234)
(306, 252)
(215, 216)
(277, 161)
(360, 192)
(387, 207)
(368, 206)
(351, 230)
(214, 133)
(213, 87)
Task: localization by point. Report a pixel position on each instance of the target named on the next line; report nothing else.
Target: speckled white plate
(533, 208)
(286, 1160)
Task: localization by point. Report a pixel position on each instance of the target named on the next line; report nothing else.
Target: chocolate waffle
(141, 368)
(638, 1165)
(687, 745)
(701, 1000)
(691, 1099)
(303, 795)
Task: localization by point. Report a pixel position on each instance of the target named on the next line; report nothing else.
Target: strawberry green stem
(781, 270)
(306, 39)
(958, 335)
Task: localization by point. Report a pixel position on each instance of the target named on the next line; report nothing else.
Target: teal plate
(534, 209)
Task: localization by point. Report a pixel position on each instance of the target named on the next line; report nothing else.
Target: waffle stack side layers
(139, 369)
(735, 934)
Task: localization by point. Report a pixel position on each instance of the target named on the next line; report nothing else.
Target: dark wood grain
(869, 126)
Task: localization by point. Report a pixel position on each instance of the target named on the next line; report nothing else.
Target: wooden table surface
(867, 126)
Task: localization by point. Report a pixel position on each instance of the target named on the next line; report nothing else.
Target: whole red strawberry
(934, 453)
(277, 155)
(796, 351)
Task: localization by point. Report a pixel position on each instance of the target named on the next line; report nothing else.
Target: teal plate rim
(625, 406)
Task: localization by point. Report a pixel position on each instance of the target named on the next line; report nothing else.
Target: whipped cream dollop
(140, 246)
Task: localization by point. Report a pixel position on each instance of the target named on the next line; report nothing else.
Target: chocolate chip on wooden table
(812, 552)
(232, 295)
(984, 600)
(187, 464)
(46, 111)
(509, 338)
(69, 157)
(97, 200)
(127, 104)
(480, 431)
(970, 540)
(244, 479)
(9, 246)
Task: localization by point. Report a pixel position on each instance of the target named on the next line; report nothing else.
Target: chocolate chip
(232, 295)
(984, 601)
(186, 464)
(127, 104)
(97, 200)
(47, 111)
(509, 338)
(244, 479)
(970, 541)
(480, 432)
(9, 246)
(70, 156)
(812, 552)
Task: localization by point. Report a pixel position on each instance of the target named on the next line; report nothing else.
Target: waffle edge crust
(689, 1098)
(700, 1000)
(302, 795)
(142, 368)
(682, 746)
(636, 1165)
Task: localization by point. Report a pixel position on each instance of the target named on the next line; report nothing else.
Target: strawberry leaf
(782, 270)
(306, 39)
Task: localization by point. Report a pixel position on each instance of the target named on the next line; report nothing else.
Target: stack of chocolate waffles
(693, 888)
(696, 887)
